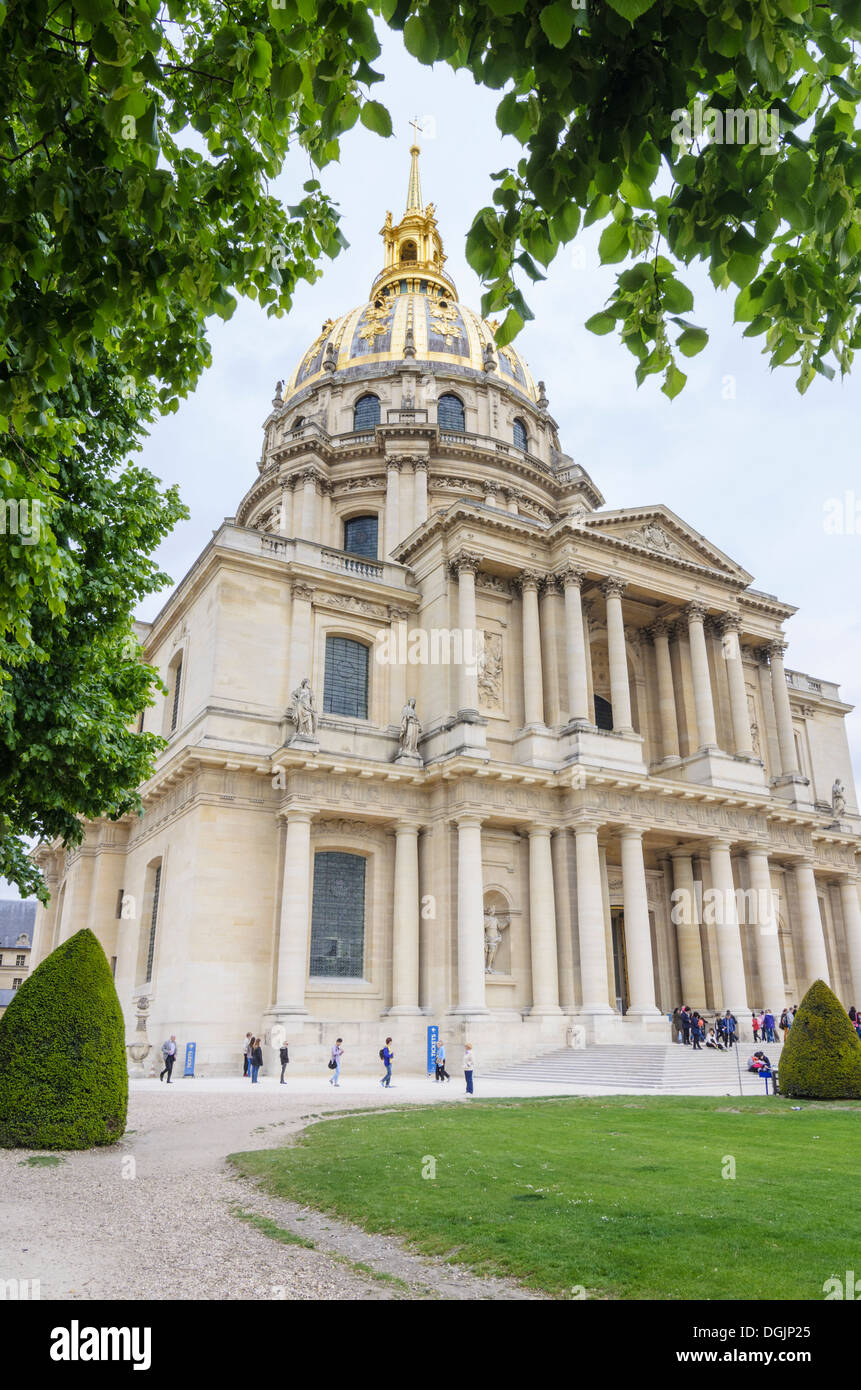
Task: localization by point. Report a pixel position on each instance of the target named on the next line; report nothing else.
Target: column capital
(404, 827)
(729, 622)
(719, 842)
(660, 628)
(398, 615)
(419, 464)
(536, 828)
(464, 560)
(774, 651)
(303, 591)
(296, 815)
(551, 584)
(395, 464)
(529, 579)
(468, 819)
(630, 832)
(695, 611)
(613, 586)
(571, 575)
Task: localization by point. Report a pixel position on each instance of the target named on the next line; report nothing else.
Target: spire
(414, 190)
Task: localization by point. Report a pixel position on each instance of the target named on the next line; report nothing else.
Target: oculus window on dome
(449, 413)
(345, 689)
(361, 536)
(366, 412)
(338, 915)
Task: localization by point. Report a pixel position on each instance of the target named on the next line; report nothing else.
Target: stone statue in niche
(490, 670)
(410, 732)
(494, 926)
(838, 799)
(302, 709)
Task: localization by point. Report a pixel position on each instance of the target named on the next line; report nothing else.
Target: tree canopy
(138, 144)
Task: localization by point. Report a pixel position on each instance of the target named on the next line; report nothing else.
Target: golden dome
(413, 312)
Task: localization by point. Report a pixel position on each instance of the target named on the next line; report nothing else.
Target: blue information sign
(433, 1039)
(190, 1050)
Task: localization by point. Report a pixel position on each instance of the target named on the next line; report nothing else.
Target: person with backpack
(168, 1052)
(285, 1058)
(785, 1023)
(441, 1073)
(697, 1032)
(387, 1057)
(335, 1062)
(256, 1059)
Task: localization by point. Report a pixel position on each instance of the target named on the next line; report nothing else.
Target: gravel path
(154, 1216)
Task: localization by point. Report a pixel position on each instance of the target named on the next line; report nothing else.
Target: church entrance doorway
(620, 959)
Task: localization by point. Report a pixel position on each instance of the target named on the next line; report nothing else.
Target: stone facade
(610, 741)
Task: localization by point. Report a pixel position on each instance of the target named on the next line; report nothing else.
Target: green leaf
(601, 323)
(375, 117)
(692, 341)
(613, 245)
(420, 39)
(674, 381)
(631, 9)
(557, 21)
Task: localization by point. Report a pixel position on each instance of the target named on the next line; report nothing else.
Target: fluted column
(638, 935)
(765, 928)
(812, 934)
(559, 844)
(300, 632)
(852, 927)
(464, 567)
(551, 593)
(393, 508)
(782, 710)
(620, 692)
(730, 625)
(542, 923)
(470, 918)
(730, 957)
(405, 925)
(285, 511)
(688, 932)
(703, 698)
(575, 643)
(309, 505)
(295, 919)
(660, 634)
(420, 493)
(594, 982)
(533, 680)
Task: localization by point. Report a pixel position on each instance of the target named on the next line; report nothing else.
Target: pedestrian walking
(441, 1073)
(468, 1067)
(246, 1052)
(768, 1026)
(168, 1052)
(697, 1032)
(785, 1023)
(387, 1057)
(755, 1025)
(285, 1058)
(256, 1059)
(335, 1062)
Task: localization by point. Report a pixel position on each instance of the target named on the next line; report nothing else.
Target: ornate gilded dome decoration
(412, 296)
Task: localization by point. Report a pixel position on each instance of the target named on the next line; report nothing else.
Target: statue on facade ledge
(409, 733)
(838, 799)
(302, 710)
(493, 929)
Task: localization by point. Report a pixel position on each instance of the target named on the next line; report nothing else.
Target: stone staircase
(672, 1069)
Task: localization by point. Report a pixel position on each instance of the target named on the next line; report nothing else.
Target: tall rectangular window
(177, 685)
(156, 888)
(338, 915)
(361, 536)
(345, 689)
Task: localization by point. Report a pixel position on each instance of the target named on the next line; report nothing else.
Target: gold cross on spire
(417, 130)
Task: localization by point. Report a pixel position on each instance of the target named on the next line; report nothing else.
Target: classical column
(325, 512)
(542, 923)
(300, 632)
(660, 634)
(405, 924)
(309, 505)
(470, 918)
(393, 510)
(638, 935)
(730, 957)
(420, 493)
(594, 981)
(688, 932)
(398, 636)
(295, 921)
(703, 699)
(551, 593)
(812, 935)
(285, 511)
(782, 710)
(511, 497)
(852, 927)
(465, 567)
(730, 625)
(575, 643)
(533, 681)
(771, 982)
(620, 693)
(559, 843)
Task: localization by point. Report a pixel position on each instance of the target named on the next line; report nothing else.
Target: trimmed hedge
(821, 1058)
(63, 1074)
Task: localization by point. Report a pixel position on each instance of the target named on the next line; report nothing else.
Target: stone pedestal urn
(140, 1049)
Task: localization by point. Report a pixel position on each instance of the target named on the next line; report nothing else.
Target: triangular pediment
(659, 532)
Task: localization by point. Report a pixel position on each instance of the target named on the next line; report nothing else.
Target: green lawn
(623, 1196)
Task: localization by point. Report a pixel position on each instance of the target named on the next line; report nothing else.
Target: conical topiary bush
(821, 1058)
(63, 1077)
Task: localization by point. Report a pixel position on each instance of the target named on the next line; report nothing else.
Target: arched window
(366, 412)
(174, 695)
(338, 915)
(520, 436)
(298, 422)
(449, 413)
(408, 252)
(361, 536)
(603, 713)
(345, 689)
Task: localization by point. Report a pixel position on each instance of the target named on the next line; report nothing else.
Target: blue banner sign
(190, 1050)
(433, 1039)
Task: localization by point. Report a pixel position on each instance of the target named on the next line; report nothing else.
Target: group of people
(691, 1028)
(253, 1058)
(387, 1057)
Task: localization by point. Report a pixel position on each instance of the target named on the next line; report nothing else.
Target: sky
(739, 455)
